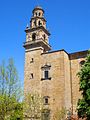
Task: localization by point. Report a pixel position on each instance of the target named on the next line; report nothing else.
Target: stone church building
(52, 74)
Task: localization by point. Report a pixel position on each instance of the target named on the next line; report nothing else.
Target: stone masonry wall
(75, 60)
(58, 88)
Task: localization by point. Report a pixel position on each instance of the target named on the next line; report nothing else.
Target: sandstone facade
(53, 74)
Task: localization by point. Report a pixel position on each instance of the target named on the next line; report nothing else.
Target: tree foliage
(84, 103)
(33, 106)
(10, 92)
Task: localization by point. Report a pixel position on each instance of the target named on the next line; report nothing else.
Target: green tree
(83, 106)
(33, 106)
(10, 91)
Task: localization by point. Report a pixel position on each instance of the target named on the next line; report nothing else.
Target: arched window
(39, 23)
(82, 62)
(39, 14)
(34, 36)
(46, 100)
(44, 36)
(36, 13)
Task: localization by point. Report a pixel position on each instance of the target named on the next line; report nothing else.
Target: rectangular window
(32, 60)
(46, 99)
(46, 75)
(31, 76)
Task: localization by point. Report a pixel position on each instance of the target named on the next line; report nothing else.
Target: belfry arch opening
(34, 36)
(39, 23)
(39, 14)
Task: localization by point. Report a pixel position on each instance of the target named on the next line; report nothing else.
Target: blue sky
(67, 20)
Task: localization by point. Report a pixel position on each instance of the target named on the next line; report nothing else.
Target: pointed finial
(27, 26)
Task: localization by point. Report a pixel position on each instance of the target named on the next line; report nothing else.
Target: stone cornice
(37, 28)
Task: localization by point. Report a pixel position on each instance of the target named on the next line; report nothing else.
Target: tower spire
(37, 34)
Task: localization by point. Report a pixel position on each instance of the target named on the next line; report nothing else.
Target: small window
(32, 97)
(34, 36)
(32, 60)
(31, 76)
(39, 14)
(36, 13)
(46, 74)
(46, 99)
(39, 23)
(44, 36)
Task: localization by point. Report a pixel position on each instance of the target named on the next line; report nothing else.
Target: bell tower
(37, 42)
(46, 73)
(37, 35)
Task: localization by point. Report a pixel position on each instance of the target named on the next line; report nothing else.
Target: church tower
(37, 36)
(45, 70)
(52, 74)
(37, 43)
